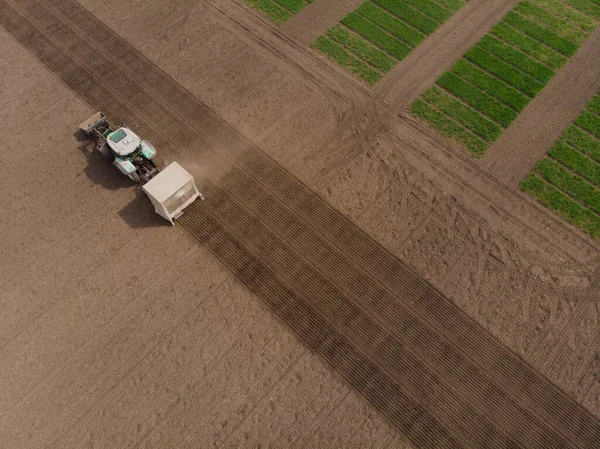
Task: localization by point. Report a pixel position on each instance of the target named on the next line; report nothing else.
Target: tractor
(170, 190)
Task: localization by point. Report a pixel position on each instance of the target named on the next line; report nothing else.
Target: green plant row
(529, 45)
(565, 12)
(377, 36)
(431, 8)
(504, 71)
(548, 37)
(572, 185)
(570, 209)
(490, 84)
(383, 32)
(390, 23)
(271, 9)
(516, 58)
(582, 141)
(590, 122)
(452, 5)
(292, 6)
(407, 13)
(561, 27)
(576, 161)
(361, 48)
(586, 7)
(479, 100)
(449, 128)
(463, 114)
(347, 60)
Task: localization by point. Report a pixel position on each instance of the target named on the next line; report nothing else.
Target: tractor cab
(123, 141)
(126, 144)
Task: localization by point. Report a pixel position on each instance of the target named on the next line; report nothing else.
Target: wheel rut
(431, 370)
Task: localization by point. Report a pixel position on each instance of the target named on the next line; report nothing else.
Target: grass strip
(561, 10)
(377, 36)
(292, 6)
(391, 24)
(361, 48)
(582, 141)
(401, 10)
(586, 7)
(529, 45)
(490, 84)
(576, 161)
(452, 5)
(590, 122)
(504, 71)
(431, 8)
(448, 128)
(271, 9)
(516, 58)
(540, 33)
(554, 199)
(478, 99)
(544, 18)
(570, 184)
(594, 105)
(346, 60)
(463, 114)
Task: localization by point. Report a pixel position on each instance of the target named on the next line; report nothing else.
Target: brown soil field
(353, 280)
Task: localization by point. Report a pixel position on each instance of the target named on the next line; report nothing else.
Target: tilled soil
(429, 368)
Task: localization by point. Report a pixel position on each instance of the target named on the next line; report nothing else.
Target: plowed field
(352, 280)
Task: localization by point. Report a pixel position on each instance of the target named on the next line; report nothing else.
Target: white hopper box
(171, 191)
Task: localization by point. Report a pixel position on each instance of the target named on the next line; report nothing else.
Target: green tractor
(133, 156)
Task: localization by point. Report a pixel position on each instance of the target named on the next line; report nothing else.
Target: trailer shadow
(139, 213)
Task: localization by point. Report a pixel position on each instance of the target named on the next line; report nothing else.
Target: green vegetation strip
(347, 60)
(570, 209)
(568, 180)
(447, 127)
(377, 36)
(380, 33)
(509, 66)
(361, 48)
(576, 161)
(279, 10)
(570, 184)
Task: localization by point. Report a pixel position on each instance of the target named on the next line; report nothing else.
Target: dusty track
(313, 267)
(528, 139)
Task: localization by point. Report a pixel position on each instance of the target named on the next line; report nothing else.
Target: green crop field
(567, 180)
(500, 75)
(371, 40)
(279, 10)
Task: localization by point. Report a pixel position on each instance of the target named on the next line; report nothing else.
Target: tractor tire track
(155, 98)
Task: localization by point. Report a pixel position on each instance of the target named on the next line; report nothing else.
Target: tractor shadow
(139, 213)
(99, 170)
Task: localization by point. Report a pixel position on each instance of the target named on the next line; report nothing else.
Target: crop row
(568, 180)
(556, 200)
(279, 10)
(509, 66)
(380, 33)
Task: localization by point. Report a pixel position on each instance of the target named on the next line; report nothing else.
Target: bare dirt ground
(499, 350)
